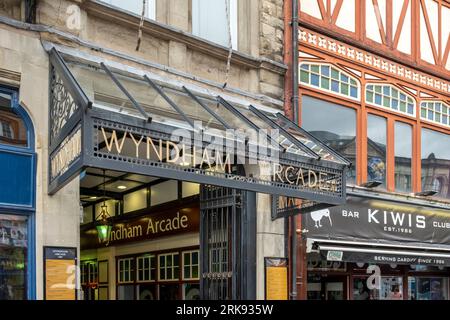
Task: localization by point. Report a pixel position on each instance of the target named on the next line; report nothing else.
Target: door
(227, 243)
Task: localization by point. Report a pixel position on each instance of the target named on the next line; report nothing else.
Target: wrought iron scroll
(62, 104)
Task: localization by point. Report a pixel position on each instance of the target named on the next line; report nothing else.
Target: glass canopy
(148, 97)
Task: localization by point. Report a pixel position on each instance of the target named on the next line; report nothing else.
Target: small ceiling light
(92, 198)
(426, 193)
(371, 184)
(121, 187)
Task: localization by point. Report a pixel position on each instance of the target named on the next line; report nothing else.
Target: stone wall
(57, 217)
(260, 36)
(272, 29)
(11, 9)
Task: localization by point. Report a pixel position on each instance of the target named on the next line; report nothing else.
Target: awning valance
(102, 115)
(381, 255)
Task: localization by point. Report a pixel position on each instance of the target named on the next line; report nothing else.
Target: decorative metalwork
(62, 105)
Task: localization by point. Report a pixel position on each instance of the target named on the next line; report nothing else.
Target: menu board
(60, 273)
(276, 278)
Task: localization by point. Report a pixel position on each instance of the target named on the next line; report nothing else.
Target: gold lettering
(277, 169)
(158, 154)
(205, 157)
(137, 231)
(322, 182)
(150, 227)
(312, 173)
(224, 165)
(183, 220)
(176, 151)
(114, 140)
(137, 143)
(286, 174)
(300, 177)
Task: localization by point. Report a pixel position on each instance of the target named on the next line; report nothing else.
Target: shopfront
(140, 144)
(17, 199)
(378, 249)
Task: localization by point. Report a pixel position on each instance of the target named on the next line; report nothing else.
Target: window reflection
(12, 128)
(403, 155)
(435, 162)
(376, 149)
(333, 124)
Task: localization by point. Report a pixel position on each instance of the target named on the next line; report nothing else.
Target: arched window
(13, 130)
(435, 111)
(327, 77)
(390, 97)
(17, 198)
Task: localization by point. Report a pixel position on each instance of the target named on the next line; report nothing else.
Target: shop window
(135, 6)
(333, 124)
(435, 161)
(146, 268)
(191, 291)
(390, 97)
(435, 111)
(13, 130)
(168, 267)
(329, 78)
(125, 292)
(376, 148)
(190, 265)
(403, 156)
(125, 270)
(390, 288)
(13, 257)
(427, 288)
(209, 21)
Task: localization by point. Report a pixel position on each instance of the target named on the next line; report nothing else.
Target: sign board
(276, 275)
(151, 226)
(60, 273)
(379, 221)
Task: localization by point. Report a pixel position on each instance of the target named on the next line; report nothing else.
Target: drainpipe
(295, 114)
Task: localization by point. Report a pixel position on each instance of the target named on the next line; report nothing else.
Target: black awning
(383, 255)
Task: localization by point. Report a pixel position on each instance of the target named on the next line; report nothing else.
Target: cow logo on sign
(318, 215)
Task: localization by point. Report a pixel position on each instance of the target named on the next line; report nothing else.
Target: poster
(60, 273)
(276, 274)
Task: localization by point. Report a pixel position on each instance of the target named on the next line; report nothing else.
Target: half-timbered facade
(374, 82)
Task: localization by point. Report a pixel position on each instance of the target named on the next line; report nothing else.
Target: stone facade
(167, 49)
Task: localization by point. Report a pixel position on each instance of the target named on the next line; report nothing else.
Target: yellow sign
(276, 283)
(60, 279)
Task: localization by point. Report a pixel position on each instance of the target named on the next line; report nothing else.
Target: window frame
(233, 11)
(172, 267)
(190, 252)
(150, 8)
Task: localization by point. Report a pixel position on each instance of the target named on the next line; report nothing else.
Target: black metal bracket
(125, 91)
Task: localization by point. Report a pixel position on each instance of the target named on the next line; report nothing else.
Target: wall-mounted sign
(67, 153)
(60, 273)
(146, 227)
(379, 221)
(276, 275)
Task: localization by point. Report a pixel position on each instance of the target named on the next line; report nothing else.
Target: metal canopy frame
(125, 91)
(312, 138)
(287, 135)
(92, 154)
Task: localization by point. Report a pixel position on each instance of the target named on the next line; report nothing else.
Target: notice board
(276, 276)
(60, 265)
